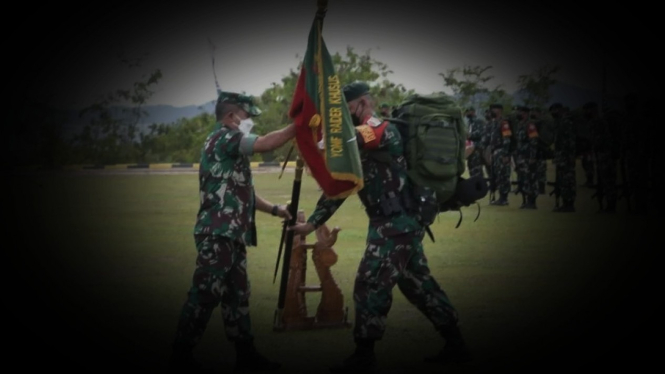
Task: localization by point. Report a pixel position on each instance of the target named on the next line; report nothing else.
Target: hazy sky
(75, 61)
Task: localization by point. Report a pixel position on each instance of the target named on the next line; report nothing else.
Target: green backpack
(434, 137)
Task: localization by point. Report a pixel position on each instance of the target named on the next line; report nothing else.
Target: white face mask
(245, 126)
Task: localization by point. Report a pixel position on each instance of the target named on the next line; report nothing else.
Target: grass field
(101, 264)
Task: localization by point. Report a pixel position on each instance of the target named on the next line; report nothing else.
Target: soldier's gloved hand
(303, 229)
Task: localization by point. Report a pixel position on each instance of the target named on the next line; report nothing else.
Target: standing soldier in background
(499, 138)
(384, 110)
(526, 155)
(476, 130)
(546, 138)
(564, 158)
(605, 155)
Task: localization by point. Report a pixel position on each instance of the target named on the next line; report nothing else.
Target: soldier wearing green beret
(225, 226)
(394, 254)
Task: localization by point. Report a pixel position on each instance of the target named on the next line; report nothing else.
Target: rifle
(288, 241)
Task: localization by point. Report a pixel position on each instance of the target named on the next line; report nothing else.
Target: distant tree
(534, 88)
(468, 84)
(112, 135)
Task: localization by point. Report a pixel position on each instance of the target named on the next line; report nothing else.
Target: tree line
(112, 134)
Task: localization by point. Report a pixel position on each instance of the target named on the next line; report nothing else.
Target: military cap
(522, 108)
(496, 106)
(245, 102)
(354, 90)
(384, 105)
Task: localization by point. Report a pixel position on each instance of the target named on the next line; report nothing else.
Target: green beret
(245, 102)
(354, 90)
(496, 106)
(385, 105)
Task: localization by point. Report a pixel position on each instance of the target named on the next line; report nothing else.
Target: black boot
(248, 359)
(567, 207)
(454, 350)
(541, 188)
(503, 200)
(182, 360)
(524, 201)
(362, 360)
(531, 202)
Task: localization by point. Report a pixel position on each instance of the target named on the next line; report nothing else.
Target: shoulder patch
(532, 130)
(505, 129)
(371, 136)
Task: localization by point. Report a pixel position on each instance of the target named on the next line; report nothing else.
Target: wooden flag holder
(331, 312)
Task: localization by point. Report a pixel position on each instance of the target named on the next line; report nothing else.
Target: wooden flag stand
(331, 312)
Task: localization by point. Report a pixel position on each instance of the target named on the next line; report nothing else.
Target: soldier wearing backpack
(499, 142)
(394, 253)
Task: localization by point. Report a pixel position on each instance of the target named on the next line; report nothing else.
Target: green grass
(109, 258)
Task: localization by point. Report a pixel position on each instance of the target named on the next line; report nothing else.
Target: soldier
(498, 140)
(604, 150)
(394, 253)
(476, 129)
(546, 141)
(225, 226)
(526, 155)
(385, 110)
(564, 158)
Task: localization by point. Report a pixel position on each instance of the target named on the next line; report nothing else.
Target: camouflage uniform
(526, 156)
(225, 225)
(606, 164)
(498, 139)
(564, 162)
(394, 252)
(475, 161)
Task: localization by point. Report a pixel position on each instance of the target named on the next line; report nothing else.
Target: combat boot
(610, 208)
(454, 350)
(524, 201)
(363, 359)
(248, 359)
(567, 207)
(531, 203)
(503, 200)
(182, 360)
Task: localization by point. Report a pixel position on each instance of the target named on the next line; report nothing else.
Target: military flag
(325, 135)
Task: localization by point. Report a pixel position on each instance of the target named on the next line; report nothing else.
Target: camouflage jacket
(564, 140)
(526, 134)
(226, 187)
(380, 180)
(477, 132)
(499, 135)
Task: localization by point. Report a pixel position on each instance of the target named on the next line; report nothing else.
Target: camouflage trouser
(220, 277)
(475, 164)
(396, 260)
(565, 180)
(607, 175)
(527, 176)
(588, 166)
(501, 165)
(541, 171)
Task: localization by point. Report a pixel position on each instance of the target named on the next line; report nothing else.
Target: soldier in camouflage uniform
(526, 156)
(225, 226)
(536, 115)
(498, 138)
(394, 253)
(564, 158)
(605, 154)
(476, 130)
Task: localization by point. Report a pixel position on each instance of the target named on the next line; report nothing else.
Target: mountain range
(568, 94)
